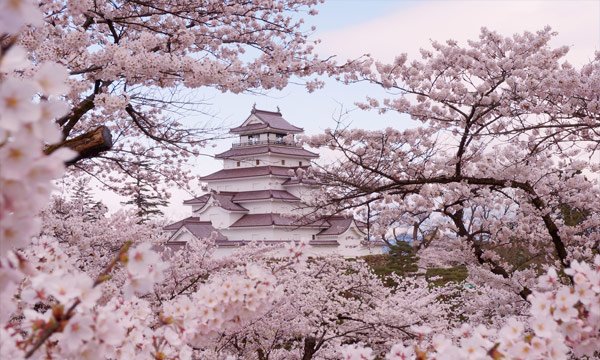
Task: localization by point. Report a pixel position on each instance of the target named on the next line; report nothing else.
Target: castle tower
(259, 193)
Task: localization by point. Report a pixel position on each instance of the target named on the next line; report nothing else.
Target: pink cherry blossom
(15, 14)
(51, 78)
(356, 352)
(15, 103)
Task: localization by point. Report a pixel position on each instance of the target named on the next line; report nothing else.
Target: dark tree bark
(87, 145)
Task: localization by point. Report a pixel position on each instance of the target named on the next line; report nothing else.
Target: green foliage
(83, 203)
(443, 276)
(518, 255)
(402, 261)
(572, 216)
(146, 201)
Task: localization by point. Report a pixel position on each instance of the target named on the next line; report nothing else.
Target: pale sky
(349, 28)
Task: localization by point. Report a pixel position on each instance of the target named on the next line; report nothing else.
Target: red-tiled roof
(276, 121)
(271, 120)
(296, 181)
(200, 229)
(339, 224)
(249, 127)
(257, 220)
(292, 151)
(243, 172)
(201, 200)
(178, 224)
(204, 230)
(264, 194)
(225, 200)
(176, 245)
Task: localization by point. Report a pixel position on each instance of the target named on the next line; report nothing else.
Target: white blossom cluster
(75, 316)
(220, 305)
(28, 105)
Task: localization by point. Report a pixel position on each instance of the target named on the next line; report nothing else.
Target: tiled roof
(243, 172)
(204, 230)
(178, 224)
(176, 244)
(296, 181)
(276, 121)
(271, 119)
(339, 224)
(201, 200)
(200, 229)
(264, 194)
(245, 196)
(223, 199)
(250, 127)
(265, 149)
(257, 220)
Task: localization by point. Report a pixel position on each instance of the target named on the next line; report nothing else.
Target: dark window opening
(282, 162)
(299, 163)
(257, 162)
(252, 139)
(238, 164)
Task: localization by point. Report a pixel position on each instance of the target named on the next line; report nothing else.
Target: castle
(259, 196)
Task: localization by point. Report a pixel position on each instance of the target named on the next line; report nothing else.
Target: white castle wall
(270, 233)
(264, 160)
(247, 184)
(219, 218)
(269, 206)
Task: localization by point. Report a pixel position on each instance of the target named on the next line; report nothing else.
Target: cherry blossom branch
(59, 319)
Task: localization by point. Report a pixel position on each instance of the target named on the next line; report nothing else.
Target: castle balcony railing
(266, 142)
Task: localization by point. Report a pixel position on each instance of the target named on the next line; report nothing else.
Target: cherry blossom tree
(564, 322)
(92, 239)
(57, 302)
(130, 62)
(508, 141)
(332, 301)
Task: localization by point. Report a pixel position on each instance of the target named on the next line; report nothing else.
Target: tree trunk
(309, 348)
(86, 145)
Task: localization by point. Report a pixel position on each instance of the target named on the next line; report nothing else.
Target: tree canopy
(129, 63)
(502, 163)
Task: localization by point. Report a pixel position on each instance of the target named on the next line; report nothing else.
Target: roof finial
(279, 111)
(253, 108)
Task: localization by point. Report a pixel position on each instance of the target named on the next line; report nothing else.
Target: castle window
(282, 162)
(257, 162)
(299, 163)
(238, 164)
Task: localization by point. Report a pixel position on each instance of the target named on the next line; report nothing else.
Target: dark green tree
(83, 203)
(143, 196)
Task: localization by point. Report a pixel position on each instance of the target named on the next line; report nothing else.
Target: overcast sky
(349, 28)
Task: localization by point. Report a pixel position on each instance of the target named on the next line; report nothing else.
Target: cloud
(413, 27)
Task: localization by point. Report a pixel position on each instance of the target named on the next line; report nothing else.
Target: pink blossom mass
(466, 228)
